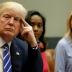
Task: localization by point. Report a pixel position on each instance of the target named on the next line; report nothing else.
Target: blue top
(63, 60)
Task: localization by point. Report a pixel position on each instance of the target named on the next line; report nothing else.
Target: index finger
(25, 23)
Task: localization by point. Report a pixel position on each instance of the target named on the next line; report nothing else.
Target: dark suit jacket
(24, 58)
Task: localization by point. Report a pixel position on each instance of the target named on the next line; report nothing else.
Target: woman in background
(63, 60)
(37, 21)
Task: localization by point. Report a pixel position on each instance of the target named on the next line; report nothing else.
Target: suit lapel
(16, 58)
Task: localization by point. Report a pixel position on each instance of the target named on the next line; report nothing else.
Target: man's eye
(17, 19)
(6, 16)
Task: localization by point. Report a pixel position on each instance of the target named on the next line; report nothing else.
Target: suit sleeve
(35, 60)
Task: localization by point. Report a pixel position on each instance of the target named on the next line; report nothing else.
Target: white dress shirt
(2, 42)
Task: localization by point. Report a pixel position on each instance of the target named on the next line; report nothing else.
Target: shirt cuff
(35, 48)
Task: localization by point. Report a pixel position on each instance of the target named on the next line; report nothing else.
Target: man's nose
(11, 21)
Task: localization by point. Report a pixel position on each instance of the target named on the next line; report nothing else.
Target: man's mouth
(9, 29)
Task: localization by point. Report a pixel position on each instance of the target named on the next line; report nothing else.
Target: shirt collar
(2, 42)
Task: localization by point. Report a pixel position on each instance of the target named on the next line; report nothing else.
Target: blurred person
(15, 54)
(63, 60)
(50, 53)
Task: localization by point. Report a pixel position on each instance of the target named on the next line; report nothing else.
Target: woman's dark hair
(28, 18)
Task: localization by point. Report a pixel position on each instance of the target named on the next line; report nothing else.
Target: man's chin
(8, 34)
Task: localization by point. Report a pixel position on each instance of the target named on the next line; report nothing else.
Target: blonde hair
(69, 28)
(14, 6)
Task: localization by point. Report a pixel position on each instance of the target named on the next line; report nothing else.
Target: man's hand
(28, 34)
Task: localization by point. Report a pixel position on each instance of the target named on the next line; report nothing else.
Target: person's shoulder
(17, 40)
(63, 44)
(20, 42)
(62, 41)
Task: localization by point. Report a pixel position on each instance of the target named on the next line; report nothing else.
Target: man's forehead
(14, 13)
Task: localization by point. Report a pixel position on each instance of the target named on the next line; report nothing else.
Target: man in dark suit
(24, 55)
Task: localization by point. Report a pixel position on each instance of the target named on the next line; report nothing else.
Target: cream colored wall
(55, 11)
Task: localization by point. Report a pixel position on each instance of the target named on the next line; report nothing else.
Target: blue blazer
(24, 58)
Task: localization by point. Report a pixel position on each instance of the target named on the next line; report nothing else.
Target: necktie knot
(5, 46)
